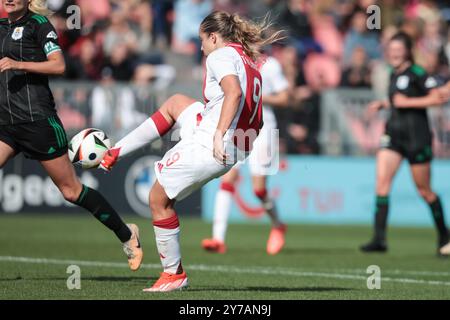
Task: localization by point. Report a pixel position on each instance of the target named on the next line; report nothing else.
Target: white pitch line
(276, 271)
(402, 272)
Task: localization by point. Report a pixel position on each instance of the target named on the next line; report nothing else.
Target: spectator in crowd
(360, 36)
(87, 65)
(357, 74)
(120, 61)
(189, 14)
(120, 33)
(113, 107)
(91, 14)
(295, 19)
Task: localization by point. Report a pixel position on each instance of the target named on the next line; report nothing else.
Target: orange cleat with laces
(169, 282)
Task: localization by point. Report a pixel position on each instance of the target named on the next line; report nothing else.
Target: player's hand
(439, 96)
(374, 107)
(444, 92)
(8, 64)
(218, 148)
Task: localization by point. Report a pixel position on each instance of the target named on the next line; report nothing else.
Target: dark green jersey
(410, 124)
(26, 97)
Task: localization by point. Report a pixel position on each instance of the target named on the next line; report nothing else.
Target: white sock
(168, 244)
(222, 210)
(150, 130)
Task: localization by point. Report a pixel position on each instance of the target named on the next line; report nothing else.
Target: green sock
(439, 221)
(381, 214)
(96, 204)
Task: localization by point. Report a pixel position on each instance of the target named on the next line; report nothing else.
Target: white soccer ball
(88, 147)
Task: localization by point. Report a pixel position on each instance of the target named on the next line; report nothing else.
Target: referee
(29, 52)
(407, 136)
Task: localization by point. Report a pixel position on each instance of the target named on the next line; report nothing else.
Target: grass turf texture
(319, 262)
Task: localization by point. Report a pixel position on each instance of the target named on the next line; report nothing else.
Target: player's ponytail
(39, 7)
(233, 28)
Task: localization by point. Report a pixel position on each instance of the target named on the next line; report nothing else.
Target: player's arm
(55, 65)
(232, 98)
(433, 98)
(434, 95)
(46, 38)
(375, 106)
(277, 100)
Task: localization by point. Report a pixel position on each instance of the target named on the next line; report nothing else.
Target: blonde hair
(39, 7)
(233, 28)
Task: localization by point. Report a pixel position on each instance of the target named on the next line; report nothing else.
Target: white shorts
(264, 158)
(188, 165)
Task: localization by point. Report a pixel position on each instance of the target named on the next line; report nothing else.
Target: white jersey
(230, 60)
(191, 163)
(273, 78)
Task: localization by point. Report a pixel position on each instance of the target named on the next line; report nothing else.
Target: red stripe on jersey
(250, 119)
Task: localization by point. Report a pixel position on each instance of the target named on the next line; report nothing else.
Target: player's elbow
(235, 94)
(60, 69)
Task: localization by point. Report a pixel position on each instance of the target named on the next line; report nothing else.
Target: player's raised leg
(222, 208)
(151, 129)
(62, 173)
(388, 162)
(276, 239)
(422, 175)
(167, 232)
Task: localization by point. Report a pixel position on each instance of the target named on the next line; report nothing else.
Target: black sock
(439, 221)
(381, 214)
(94, 202)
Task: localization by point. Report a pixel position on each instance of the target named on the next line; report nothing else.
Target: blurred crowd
(328, 46)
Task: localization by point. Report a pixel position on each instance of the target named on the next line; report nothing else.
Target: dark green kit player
(407, 136)
(29, 52)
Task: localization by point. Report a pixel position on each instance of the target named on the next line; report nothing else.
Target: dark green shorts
(39, 140)
(415, 153)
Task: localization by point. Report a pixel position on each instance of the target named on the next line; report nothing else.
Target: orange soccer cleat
(133, 249)
(276, 239)
(169, 282)
(109, 159)
(214, 245)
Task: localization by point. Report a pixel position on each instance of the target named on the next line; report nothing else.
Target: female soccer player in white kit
(214, 136)
(262, 160)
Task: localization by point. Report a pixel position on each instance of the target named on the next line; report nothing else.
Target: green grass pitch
(319, 262)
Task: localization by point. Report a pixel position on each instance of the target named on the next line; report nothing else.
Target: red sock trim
(261, 194)
(162, 125)
(227, 187)
(169, 223)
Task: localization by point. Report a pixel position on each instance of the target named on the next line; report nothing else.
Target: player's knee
(426, 193)
(156, 207)
(260, 193)
(69, 193)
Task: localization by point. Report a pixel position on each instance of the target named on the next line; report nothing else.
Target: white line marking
(218, 268)
(396, 271)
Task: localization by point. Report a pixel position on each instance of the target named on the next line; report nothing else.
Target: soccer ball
(88, 147)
